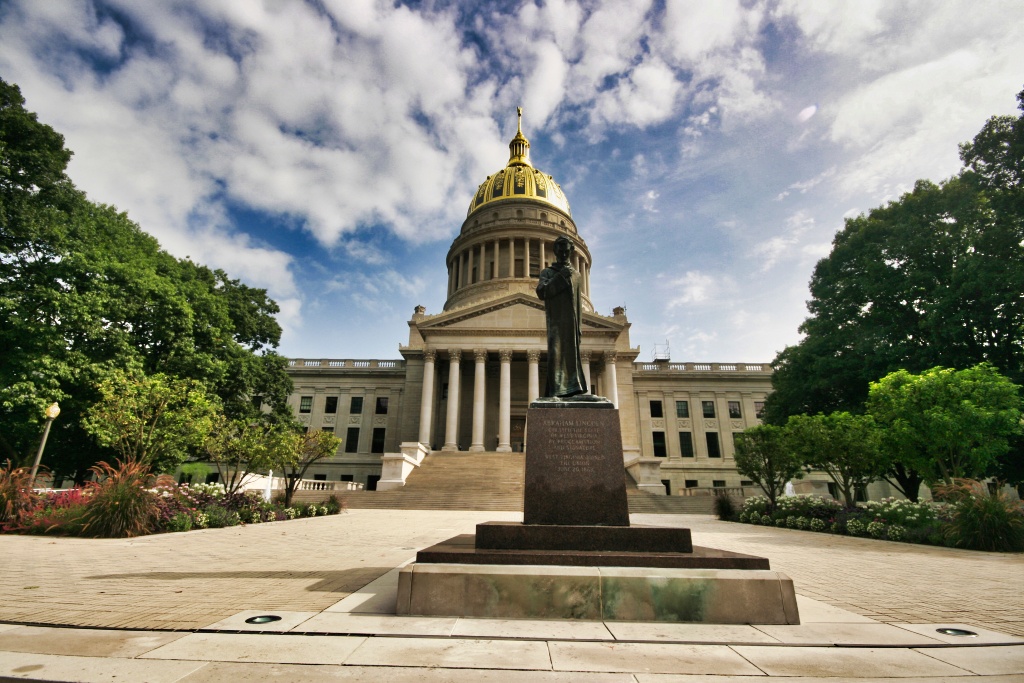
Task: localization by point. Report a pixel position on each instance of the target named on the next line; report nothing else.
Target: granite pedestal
(575, 555)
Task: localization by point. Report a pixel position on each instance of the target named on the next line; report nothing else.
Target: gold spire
(519, 148)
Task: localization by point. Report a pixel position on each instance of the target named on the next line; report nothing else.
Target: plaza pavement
(172, 607)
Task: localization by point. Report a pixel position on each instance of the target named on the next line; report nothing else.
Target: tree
(156, 420)
(311, 448)
(949, 424)
(241, 449)
(933, 278)
(844, 446)
(83, 290)
(764, 455)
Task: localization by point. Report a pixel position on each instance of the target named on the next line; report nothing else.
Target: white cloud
(694, 287)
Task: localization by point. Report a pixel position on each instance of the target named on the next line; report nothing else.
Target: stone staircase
(454, 481)
(489, 481)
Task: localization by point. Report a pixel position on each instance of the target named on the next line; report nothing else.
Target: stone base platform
(463, 549)
(711, 596)
(636, 538)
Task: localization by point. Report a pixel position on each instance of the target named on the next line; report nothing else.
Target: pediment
(514, 312)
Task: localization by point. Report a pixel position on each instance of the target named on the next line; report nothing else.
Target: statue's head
(563, 248)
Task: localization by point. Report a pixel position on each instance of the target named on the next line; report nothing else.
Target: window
(759, 410)
(659, 445)
(656, 409)
(329, 430)
(734, 410)
(213, 477)
(305, 404)
(377, 444)
(352, 440)
(718, 483)
(347, 477)
(356, 406)
(692, 483)
(319, 477)
(331, 406)
(686, 444)
(709, 408)
(682, 409)
(382, 405)
(746, 482)
(833, 490)
(714, 451)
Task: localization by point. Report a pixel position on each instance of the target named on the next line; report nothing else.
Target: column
(586, 279)
(613, 386)
(451, 274)
(533, 388)
(511, 256)
(543, 256)
(451, 428)
(479, 389)
(427, 397)
(472, 253)
(505, 402)
(464, 261)
(497, 262)
(585, 361)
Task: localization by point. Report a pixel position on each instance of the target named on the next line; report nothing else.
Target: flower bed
(128, 501)
(898, 520)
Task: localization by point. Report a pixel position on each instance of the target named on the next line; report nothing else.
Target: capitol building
(468, 373)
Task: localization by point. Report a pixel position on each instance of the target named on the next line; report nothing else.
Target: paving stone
(563, 629)
(985, 661)
(452, 653)
(31, 666)
(688, 633)
(984, 636)
(88, 642)
(294, 673)
(846, 634)
(340, 622)
(258, 647)
(716, 660)
(842, 662)
(237, 622)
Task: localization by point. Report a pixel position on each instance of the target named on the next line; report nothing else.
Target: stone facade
(468, 373)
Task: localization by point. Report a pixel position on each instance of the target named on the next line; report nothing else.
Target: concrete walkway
(173, 608)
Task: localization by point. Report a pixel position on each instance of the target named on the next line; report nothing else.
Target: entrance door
(518, 436)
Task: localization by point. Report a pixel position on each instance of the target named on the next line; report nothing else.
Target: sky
(328, 151)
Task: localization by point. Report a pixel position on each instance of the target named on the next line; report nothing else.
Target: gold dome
(519, 179)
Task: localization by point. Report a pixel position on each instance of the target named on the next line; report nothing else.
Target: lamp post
(51, 414)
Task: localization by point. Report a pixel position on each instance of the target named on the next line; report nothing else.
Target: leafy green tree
(763, 454)
(84, 291)
(933, 278)
(242, 449)
(950, 424)
(312, 447)
(156, 420)
(844, 446)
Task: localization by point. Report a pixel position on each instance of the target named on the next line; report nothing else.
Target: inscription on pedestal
(574, 469)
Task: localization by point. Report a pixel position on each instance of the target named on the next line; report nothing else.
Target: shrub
(811, 507)
(756, 505)
(215, 490)
(855, 527)
(333, 505)
(121, 506)
(310, 510)
(17, 497)
(897, 533)
(982, 520)
(903, 512)
(182, 521)
(218, 517)
(201, 520)
(876, 529)
(766, 520)
(743, 518)
(725, 507)
(792, 522)
(817, 524)
(780, 522)
(291, 513)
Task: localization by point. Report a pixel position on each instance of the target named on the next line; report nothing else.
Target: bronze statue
(559, 289)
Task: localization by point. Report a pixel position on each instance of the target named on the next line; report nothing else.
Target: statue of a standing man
(559, 289)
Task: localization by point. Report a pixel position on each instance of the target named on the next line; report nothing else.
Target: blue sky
(328, 151)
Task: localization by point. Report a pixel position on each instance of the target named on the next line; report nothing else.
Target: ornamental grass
(121, 506)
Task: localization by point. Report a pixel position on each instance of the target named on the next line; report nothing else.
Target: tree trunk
(906, 480)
